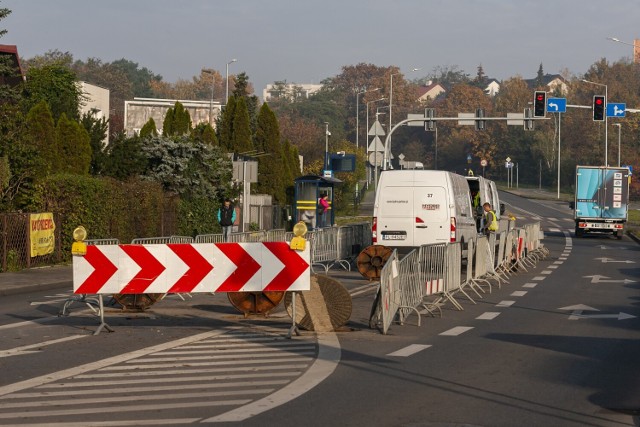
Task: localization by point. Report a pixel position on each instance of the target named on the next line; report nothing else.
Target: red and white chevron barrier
(199, 267)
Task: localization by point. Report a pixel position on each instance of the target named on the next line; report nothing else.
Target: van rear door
(432, 223)
(395, 216)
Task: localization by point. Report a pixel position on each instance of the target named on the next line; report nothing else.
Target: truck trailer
(601, 200)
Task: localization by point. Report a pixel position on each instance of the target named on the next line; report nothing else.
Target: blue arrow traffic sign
(616, 110)
(556, 105)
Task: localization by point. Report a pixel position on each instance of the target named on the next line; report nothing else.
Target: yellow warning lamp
(298, 243)
(79, 247)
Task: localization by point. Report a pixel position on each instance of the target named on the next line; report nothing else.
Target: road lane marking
(505, 303)
(558, 263)
(489, 315)
(518, 293)
(546, 272)
(529, 285)
(538, 278)
(329, 354)
(363, 290)
(29, 322)
(454, 332)
(25, 349)
(552, 266)
(409, 350)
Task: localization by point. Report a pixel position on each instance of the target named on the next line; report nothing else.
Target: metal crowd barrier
(209, 238)
(338, 245)
(161, 240)
(408, 284)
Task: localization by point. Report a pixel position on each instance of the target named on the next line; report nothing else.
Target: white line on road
(518, 293)
(558, 263)
(25, 348)
(505, 303)
(29, 322)
(538, 278)
(158, 422)
(546, 272)
(529, 285)
(552, 266)
(329, 354)
(454, 332)
(409, 350)
(363, 290)
(489, 315)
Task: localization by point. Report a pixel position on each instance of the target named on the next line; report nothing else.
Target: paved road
(547, 349)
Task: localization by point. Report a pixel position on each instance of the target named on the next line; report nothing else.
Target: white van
(488, 193)
(419, 207)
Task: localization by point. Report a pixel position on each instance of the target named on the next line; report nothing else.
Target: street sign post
(616, 109)
(557, 105)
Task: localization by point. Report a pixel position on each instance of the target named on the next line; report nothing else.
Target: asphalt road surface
(559, 345)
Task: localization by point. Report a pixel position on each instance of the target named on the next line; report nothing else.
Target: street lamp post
(375, 100)
(326, 145)
(606, 128)
(635, 45)
(358, 113)
(391, 99)
(619, 130)
(226, 99)
(213, 85)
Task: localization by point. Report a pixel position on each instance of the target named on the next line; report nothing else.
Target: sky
(301, 41)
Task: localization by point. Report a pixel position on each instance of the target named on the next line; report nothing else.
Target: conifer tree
(41, 133)
(167, 123)
(73, 144)
(177, 121)
(225, 124)
(241, 142)
(149, 129)
(204, 133)
(272, 167)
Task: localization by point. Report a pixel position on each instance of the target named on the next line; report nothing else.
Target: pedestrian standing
(226, 218)
(490, 219)
(323, 207)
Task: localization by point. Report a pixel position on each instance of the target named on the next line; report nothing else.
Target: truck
(601, 200)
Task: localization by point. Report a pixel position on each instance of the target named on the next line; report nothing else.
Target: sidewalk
(36, 279)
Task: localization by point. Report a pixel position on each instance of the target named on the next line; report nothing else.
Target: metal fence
(432, 275)
(15, 245)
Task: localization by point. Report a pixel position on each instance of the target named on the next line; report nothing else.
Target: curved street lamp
(226, 99)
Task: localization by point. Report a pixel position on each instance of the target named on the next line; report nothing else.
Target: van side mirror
(572, 205)
(502, 208)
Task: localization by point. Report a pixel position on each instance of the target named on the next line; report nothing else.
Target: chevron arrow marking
(104, 269)
(150, 269)
(293, 266)
(247, 267)
(199, 267)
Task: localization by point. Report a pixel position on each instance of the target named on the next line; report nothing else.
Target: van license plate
(394, 236)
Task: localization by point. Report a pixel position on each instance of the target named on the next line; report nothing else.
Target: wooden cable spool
(255, 302)
(371, 260)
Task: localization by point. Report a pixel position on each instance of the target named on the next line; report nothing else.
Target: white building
(138, 112)
(290, 91)
(96, 102)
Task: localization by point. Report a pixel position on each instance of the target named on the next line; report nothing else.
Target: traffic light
(539, 104)
(599, 105)
(429, 125)
(480, 124)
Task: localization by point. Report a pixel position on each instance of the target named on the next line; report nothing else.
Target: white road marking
(518, 293)
(529, 285)
(552, 267)
(363, 290)
(28, 322)
(489, 315)
(158, 422)
(409, 350)
(546, 272)
(329, 354)
(453, 332)
(562, 258)
(505, 303)
(558, 262)
(538, 278)
(555, 230)
(25, 348)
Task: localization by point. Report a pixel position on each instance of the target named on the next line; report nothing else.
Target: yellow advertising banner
(42, 228)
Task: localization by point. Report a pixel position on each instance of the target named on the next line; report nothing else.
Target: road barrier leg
(103, 324)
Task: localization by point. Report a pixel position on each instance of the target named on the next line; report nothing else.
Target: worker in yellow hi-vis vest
(490, 219)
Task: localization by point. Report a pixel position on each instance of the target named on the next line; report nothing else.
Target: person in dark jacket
(226, 218)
